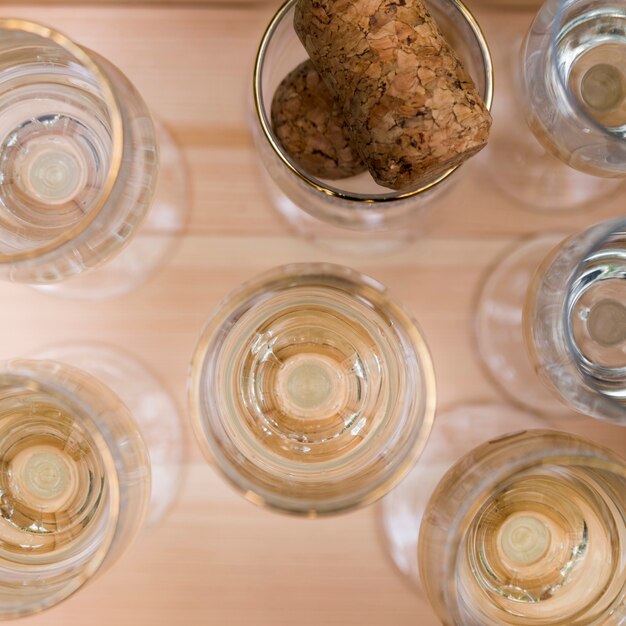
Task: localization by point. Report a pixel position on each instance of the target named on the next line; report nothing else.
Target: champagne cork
(310, 127)
(412, 109)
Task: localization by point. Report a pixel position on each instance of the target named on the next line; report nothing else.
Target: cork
(412, 109)
(310, 127)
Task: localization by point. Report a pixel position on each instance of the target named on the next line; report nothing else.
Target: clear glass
(80, 162)
(75, 483)
(528, 529)
(571, 92)
(455, 433)
(575, 321)
(153, 409)
(311, 390)
(498, 325)
(558, 309)
(359, 215)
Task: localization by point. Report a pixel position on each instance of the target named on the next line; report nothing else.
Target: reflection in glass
(574, 323)
(81, 474)
(92, 192)
(571, 90)
(528, 529)
(311, 390)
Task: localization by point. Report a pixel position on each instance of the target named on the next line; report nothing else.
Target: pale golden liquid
(546, 546)
(312, 383)
(54, 153)
(51, 478)
(315, 390)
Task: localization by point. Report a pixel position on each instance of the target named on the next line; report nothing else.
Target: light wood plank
(217, 559)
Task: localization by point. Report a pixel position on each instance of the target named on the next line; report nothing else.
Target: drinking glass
(311, 390)
(454, 434)
(570, 90)
(76, 476)
(76, 483)
(153, 409)
(354, 214)
(567, 304)
(528, 529)
(92, 192)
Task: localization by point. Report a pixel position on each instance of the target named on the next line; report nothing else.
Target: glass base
(153, 243)
(498, 327)
(530, 175)
(152, 408)
(455, 433)
(343, 240)
(523, 170)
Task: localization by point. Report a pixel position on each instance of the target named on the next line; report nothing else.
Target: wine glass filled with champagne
(528, 529)
(92, 190)
(311, 390)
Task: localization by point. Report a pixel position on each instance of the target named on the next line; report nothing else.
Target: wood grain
(153, 3)
(217, 559)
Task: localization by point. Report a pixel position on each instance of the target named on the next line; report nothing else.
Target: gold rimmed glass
(311, 390)
(455, 433)
(528, 530)
(75, 483)
(354, 214)
(82, 471)
(554, 310)
(92, 192)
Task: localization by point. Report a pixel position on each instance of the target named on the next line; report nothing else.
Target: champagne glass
(311, 390)
(528, 529)
(355, 214)
(455, 433)
(574, 323)
(75, 483)
(92, 192)
(571, 92)
(81, 475)
(153, 409)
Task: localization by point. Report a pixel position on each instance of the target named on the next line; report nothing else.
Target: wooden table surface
(218, 560)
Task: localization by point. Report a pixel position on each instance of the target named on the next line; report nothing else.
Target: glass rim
(570, 449)
(202, 355)
(25, 374)
(315, 183)
(117, 133)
